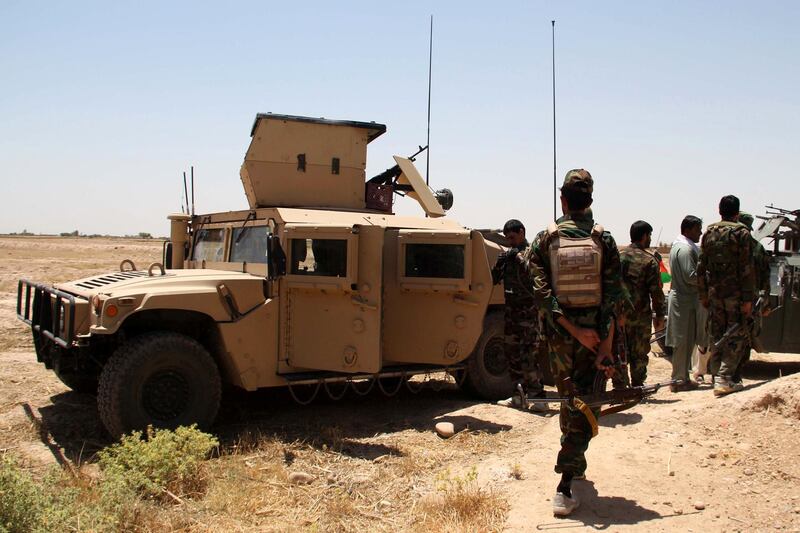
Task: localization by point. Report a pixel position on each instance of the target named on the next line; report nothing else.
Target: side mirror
(276, 258)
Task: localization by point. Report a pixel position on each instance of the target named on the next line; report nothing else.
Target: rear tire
(487, 368)
(162, 379)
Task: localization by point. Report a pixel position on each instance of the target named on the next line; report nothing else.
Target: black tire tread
(129, 356)
(477, 382)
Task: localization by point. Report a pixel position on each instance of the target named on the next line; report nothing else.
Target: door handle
(464, 301)
(357, 300)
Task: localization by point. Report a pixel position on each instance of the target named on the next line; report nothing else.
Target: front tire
(487, 367)
(160, 379)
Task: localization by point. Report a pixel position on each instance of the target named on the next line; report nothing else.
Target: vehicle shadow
(757, 369)
(339, 424)
(72, 423)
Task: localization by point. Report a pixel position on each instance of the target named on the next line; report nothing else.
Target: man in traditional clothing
(687, 318)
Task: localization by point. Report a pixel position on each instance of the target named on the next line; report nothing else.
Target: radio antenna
(185, 193)
(430, 68)
(555, 215)
(192, 171)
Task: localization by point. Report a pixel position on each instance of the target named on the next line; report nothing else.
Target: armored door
(437, 285)
(332, 298)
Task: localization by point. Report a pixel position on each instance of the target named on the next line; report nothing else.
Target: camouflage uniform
(642, 279)
(521, 319)
(761, 272)
(569, 358)
(726, 280)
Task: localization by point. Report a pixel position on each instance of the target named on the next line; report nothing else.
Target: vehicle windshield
(249, 244)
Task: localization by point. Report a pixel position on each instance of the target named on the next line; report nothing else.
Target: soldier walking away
(577, 284)
(761, 272)
(686, 327)
(641, 277)
(521, 320)
(726, 282)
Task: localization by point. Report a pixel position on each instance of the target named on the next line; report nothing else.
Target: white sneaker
(737, 386)
(509, 402)
(564, 505)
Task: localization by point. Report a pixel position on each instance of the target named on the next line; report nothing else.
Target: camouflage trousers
(725, 361)
(637, 340)
(754, 330)
(519, 347)
(568, 358)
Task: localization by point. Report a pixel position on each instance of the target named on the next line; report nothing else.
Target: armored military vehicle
(316, 286)
(781, 230)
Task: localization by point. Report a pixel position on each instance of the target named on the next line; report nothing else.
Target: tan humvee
(317, 283)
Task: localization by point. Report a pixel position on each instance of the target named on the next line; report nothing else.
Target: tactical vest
(575, 267)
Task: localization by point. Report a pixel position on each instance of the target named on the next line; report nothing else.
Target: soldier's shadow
(602, 512)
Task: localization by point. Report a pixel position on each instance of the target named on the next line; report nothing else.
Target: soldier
(761, 272)
(521, 320)
(642, 279)
(578, 316)
(726, 284)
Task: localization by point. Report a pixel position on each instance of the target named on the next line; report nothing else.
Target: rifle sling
(587, 412)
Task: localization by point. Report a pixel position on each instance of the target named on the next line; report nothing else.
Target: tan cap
(578, 180)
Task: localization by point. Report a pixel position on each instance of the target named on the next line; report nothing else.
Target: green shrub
(21, 499)
(166, 461)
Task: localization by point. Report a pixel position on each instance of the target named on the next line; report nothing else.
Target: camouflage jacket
(517, 288)
(725, 268)
(536, 260)
(642, 280)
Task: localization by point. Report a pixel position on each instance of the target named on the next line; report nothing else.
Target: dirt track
(737, 455)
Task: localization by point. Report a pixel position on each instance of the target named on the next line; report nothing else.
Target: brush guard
(48, 311)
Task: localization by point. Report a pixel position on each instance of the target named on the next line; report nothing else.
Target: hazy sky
(670, 105)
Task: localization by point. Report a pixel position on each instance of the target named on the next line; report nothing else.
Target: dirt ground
(678, 462)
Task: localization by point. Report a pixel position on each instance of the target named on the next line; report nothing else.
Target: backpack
(576, 266)
(718, 249)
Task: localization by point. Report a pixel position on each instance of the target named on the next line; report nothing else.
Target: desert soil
(678, 462)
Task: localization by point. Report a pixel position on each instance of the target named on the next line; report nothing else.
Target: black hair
(729, 206)
(577, 200)
(513, 225)
(689, 222)
(639, 229)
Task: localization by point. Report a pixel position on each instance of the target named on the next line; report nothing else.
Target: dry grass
(368, 475)
(250, 489)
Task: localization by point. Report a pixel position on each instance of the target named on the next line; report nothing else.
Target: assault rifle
(618, 399)
(733, 329)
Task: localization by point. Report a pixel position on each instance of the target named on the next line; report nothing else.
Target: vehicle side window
(434, 261)
(318, 257)
(249, 244)
(208, 245)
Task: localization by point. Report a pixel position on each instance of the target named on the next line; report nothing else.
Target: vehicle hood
(139, 281)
